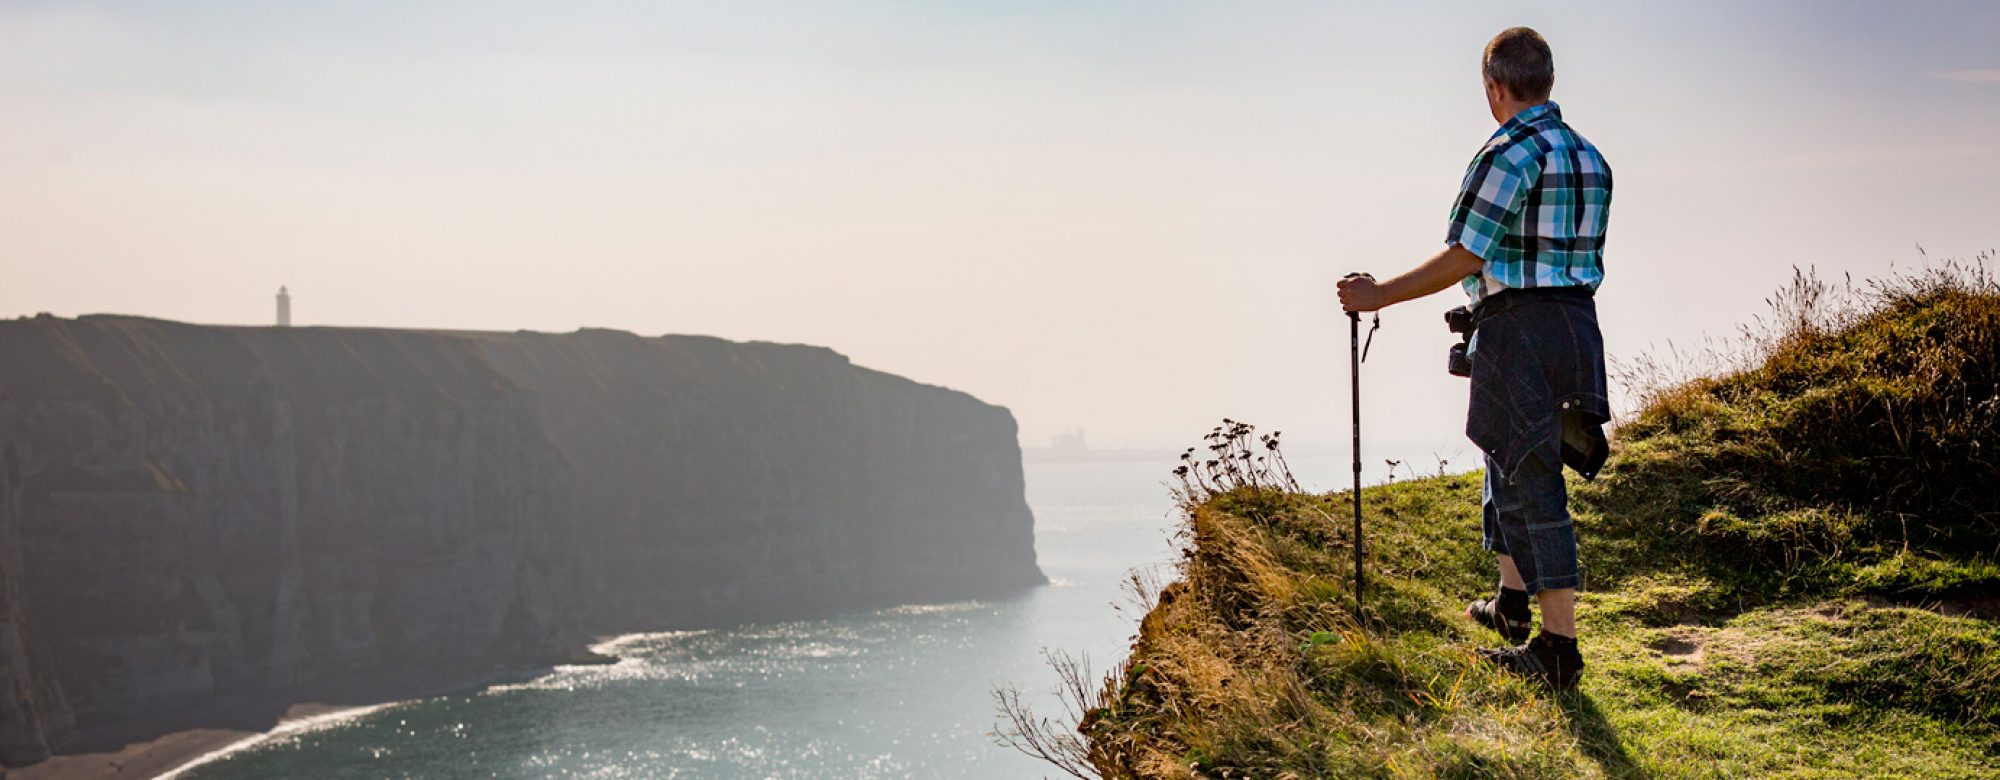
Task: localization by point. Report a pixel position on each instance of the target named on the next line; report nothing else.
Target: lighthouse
(284, 307)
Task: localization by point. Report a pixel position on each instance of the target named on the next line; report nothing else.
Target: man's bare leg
(1558, 610)
(1558, 606)
(1510, 577)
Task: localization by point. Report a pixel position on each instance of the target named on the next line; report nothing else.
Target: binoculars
(1460, 321)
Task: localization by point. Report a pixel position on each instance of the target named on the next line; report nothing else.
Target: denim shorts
(1526, 517)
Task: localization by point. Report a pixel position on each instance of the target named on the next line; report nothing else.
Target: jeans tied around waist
(1537, 368)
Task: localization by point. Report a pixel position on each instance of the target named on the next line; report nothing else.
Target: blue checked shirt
(1534, 206)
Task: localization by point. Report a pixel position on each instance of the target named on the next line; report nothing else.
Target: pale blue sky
(1123, 216)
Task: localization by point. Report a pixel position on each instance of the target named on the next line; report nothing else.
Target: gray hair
(1519, 59)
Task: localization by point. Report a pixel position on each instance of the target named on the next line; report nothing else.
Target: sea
(899, 692)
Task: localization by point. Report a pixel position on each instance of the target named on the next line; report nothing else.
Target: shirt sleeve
(1489, 205)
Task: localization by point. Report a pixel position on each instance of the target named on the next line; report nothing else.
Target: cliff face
(32, 709)
(723, 482)
(193, 510)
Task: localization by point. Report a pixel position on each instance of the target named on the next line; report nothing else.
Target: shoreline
(170, 744)
(172, 753)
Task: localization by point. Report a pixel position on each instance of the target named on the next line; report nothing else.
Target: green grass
(1253, 666)
(1778, 564)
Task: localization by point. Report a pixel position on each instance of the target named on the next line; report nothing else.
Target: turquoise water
(892, 693)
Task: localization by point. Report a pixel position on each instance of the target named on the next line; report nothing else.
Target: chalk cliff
(189, 511)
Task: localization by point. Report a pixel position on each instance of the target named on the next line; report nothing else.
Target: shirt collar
(1546, 109)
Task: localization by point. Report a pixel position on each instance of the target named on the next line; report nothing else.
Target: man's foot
(1506, 613)
(1550, 658)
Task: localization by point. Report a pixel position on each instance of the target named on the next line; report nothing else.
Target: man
(1526, 240)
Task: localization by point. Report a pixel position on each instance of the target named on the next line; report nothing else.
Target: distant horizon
(1127, 447)
(1157, 447)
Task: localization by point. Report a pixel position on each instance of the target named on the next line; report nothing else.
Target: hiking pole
(1356, 353)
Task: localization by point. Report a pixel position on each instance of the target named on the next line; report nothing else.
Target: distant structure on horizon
(1071, 447)
(284, 307)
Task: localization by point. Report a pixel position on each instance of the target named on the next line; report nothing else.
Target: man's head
(1519, 71)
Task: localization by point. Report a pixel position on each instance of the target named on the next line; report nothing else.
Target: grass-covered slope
(1789, 573)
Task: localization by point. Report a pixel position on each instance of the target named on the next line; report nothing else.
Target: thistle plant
(1238, 459)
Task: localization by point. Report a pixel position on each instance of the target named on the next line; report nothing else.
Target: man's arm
(1444, 269)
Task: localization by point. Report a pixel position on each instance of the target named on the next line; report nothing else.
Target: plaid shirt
(1534, 206)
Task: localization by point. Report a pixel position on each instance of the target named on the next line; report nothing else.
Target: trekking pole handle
(1355, 315)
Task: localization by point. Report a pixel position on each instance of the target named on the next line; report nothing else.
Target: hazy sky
(1126, 216)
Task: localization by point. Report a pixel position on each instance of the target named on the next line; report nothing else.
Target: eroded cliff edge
(195, 511)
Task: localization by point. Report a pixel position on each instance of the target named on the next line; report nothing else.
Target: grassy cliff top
(1789, 572)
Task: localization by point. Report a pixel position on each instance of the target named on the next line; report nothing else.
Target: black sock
(1513, 604)
(1557, 642)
